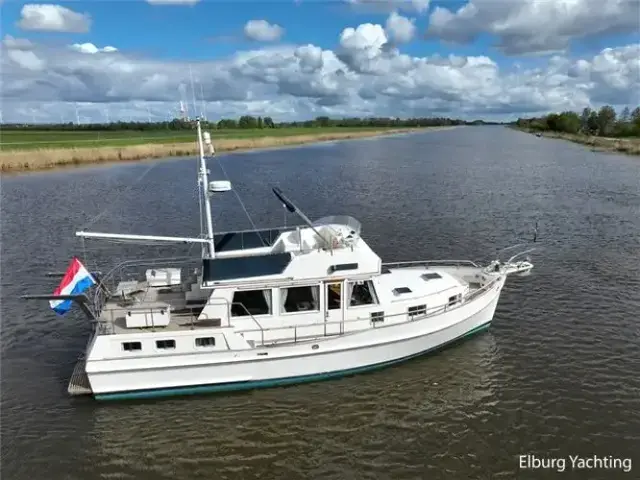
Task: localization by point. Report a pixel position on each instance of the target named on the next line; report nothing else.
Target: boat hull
(350, 355)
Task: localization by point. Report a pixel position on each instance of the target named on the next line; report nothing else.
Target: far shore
(17, 161)
(629, 145)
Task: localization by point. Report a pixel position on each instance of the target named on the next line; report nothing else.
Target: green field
(34, 139)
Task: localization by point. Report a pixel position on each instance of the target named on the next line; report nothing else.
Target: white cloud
(534, 26)
(91, 48)
(262, 31)
(400, 29)
(362, 77)
(53, 18)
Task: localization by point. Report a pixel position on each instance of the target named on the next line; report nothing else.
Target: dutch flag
(75, 281)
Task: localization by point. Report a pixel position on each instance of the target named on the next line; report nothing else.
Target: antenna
(204, 109)
(183, 102)
(193, 93)
(288, 204)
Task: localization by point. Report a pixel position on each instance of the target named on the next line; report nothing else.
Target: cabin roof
(417, 281)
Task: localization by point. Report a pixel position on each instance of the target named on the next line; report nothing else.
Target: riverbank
(50, 158)
(630, 145)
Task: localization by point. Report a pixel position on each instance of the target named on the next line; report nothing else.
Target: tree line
(251, 122)
(604, 122)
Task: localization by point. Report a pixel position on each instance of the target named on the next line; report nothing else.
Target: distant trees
(251, 122)
(603, 123)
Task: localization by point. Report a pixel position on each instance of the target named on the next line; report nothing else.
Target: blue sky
(515, 36)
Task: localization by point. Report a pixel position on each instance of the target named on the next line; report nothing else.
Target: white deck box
(156, 314)
(163, 277)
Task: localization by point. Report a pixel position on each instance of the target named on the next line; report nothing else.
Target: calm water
(558, 373)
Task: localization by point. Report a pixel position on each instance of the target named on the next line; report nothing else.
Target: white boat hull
(324, 358)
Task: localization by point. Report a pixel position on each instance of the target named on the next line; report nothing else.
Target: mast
(204, 184)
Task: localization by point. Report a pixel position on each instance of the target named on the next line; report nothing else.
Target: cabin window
(430, 276)
(206, 342)
(334, 296)
(362, 293)
(417, 311)
(401, 290)
(377, 317)
(131, 346)
(454, 299)
(166, 344)
(300, 299)
(251, 302)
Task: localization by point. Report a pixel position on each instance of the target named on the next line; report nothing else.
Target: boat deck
(184, 313)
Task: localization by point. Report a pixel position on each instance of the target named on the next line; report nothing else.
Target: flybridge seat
(305, 240)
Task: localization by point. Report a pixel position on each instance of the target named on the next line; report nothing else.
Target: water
(556, 375)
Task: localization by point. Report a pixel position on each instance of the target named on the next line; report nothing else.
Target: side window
(166, 344)
(206, 342)
(131, 346)
(300, 299)
(251, 302)
(417, 311)
(334, 296)
(362, 293)
(454, 299)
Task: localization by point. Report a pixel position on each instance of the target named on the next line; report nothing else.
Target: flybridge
(327, 233)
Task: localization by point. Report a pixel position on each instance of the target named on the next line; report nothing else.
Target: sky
(96, 60)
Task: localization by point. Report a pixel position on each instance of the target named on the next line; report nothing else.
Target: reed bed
(629, 145)
(50, 158)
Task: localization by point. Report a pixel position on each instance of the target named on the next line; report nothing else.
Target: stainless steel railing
(429, 312)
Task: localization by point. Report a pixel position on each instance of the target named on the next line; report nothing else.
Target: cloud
(53, 18)
(262, 31)
(418, 6)
(91, 48)
(362, 77)
(172, 2)
(533, 26)
(400, 29)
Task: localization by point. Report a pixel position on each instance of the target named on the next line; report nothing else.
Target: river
(556, 375)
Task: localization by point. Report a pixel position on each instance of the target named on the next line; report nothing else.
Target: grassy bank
(27, 139)
(56, 150)
(629, 145)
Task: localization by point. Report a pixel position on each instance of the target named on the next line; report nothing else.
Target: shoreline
(38, 160)
(628, 146)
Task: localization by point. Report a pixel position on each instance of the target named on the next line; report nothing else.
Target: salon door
(334, 305)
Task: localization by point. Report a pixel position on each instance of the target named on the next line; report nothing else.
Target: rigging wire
(241, 202)
(126, 190)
